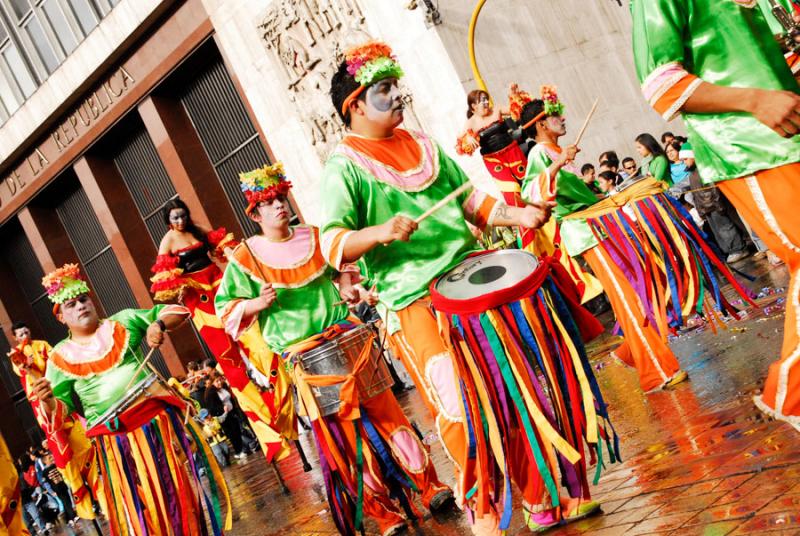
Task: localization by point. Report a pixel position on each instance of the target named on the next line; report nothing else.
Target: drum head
(484, 274)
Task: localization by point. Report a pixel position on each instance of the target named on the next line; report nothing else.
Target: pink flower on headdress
(54, 288)
(549, 93)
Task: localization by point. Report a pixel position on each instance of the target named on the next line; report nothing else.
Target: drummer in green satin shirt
(717, 64)
(280, 280)
(99, 365)
(376, 181)
(98, 360)
(551, 174)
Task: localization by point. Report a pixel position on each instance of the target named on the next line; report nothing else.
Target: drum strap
(348, 394)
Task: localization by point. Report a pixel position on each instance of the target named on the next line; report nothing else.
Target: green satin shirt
(572, 195)
(99, 392)
(298, 312)
(726, 44)
(353, 198)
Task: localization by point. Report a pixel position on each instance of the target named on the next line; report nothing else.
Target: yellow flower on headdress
(263, 184)
(517, 99)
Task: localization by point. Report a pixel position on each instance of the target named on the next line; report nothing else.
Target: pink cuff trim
(234, 320)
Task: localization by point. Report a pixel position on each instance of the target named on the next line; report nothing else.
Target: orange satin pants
(769, 202)
(643, 347)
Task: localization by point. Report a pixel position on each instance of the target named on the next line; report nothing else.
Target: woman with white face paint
(486, 128)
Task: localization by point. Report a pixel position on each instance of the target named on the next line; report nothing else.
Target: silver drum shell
(338, 357)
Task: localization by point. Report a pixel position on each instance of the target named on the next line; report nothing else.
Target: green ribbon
(360, 477)
(599, 459)
(207, 465)
(702, 291)
(516, 395)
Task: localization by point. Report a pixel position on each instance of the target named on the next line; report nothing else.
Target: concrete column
(49, 239)
(186, 162)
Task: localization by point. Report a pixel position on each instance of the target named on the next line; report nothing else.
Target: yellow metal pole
(472, 61)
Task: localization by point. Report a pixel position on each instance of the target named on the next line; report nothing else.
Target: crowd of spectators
(672, 162)
(45, 496)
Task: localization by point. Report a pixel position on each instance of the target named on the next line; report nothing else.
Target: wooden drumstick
(449, 197)
(140, 367)
(586, 123)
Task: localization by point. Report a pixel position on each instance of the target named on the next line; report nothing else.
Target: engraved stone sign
(308, 39)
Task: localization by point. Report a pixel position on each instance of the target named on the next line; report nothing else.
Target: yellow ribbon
(542, 424)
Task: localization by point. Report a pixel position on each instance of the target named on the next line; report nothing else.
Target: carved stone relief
(307, 38)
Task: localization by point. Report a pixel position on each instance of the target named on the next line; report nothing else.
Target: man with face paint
(69, 445)
(279, 282)
(376, 181)
(142, 447)
(552, 173)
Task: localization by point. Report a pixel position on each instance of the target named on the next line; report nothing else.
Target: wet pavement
(698, 459)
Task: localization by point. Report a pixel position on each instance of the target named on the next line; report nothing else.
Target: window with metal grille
(10, 379)
(144, 175)
(100, 265)
(24, 411)
(219, 116)
(36, 36)
(28, 273)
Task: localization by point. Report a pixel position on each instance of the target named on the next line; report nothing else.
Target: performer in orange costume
(72, 451)
(278, 281)
(741, 105)
(377, 179)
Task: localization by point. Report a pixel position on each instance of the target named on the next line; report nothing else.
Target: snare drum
(337, 357)
(145, 391)
(517, 353)
(484, 275)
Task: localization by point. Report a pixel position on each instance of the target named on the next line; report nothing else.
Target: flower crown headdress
(517, 99)
(64, 284)
(552, 106)
(263, 184)
(369, 63)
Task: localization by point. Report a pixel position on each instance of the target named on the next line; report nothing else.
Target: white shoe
(736, 257)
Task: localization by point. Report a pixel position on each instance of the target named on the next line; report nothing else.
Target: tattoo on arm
(503, 212)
